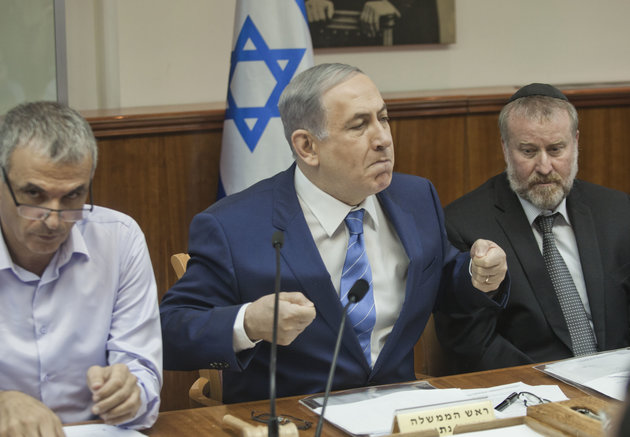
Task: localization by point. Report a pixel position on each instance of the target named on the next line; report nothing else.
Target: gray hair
(300, 104)
(535, 107)
(50, 128)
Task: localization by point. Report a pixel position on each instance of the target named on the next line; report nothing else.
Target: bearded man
(570, 268)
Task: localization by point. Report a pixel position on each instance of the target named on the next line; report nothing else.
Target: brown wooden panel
(432, 147)
(605, 146)
(483, 154)
(156, 119)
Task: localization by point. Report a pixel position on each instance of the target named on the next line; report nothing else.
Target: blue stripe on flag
(302, 7)
(271, 44)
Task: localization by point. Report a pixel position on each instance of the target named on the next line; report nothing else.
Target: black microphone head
(358, 290)
(277, 239)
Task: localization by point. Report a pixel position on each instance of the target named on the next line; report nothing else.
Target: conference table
(208, 421)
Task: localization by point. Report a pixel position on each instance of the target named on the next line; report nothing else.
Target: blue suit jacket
(233, 262)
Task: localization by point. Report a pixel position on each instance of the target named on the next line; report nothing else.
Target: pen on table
(507, 402)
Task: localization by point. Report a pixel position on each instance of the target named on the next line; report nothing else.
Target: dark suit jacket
(233, 262)
(532, 328)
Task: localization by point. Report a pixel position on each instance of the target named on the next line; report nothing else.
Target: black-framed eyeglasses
(282, 420)
(526, 397)
(33, 212)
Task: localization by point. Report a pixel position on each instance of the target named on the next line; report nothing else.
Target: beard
(546, 197)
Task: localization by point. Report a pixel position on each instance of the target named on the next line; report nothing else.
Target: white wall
(159, 52)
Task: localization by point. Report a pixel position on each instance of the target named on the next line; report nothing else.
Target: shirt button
(43, 330)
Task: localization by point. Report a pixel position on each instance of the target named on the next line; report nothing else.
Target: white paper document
(606, 372)
(372, 411)
(512, 431)
(99, 430)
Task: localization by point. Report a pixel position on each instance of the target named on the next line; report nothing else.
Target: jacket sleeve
(470, 335)
(134, 337)
(199, 310)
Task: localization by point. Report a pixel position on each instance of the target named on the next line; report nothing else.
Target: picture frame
(380, 23)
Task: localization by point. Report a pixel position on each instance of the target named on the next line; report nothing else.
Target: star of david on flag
(271, 44)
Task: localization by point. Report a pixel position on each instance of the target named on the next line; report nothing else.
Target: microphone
(277, 240)
(356, 293)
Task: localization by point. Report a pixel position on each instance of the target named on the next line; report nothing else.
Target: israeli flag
(271, 44)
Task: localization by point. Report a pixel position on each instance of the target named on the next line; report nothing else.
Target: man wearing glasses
(79, 322)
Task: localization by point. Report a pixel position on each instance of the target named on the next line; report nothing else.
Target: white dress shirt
(95, 304)
(325, 217)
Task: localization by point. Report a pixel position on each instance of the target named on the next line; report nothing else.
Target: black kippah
(538, 89)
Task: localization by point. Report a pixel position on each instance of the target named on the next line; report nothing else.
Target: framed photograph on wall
(360, 23)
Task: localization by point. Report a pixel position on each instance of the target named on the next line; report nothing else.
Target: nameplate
(443, 418)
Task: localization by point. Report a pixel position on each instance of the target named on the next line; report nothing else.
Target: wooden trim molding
(158, 119)
(210, 116)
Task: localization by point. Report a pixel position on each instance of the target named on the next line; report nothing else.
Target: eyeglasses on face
(282, 420)
(33, 212)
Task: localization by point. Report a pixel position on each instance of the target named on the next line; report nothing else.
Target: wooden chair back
(429, 358)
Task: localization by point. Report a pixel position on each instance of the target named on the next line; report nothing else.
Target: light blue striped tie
(362, 315)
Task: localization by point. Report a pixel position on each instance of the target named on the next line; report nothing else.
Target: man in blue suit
(220, 313)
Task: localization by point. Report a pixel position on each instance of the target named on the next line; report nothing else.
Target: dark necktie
(362, 315)
(582, 337)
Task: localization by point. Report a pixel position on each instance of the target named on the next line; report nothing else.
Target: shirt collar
(532, 211)
(328, 211)
(5, 259)
(74, 244)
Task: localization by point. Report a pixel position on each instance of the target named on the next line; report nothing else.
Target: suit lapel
(518, 231)
(590, 259)
(302, 257)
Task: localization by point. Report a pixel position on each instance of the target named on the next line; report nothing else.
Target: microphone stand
(277, 241)
(356, 293)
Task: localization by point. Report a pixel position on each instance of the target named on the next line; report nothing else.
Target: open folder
(607, 373)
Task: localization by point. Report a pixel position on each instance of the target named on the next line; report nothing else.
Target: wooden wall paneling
(594, 139)
(618, 150)
(432, 147)
(605, 146)
(483, 152)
